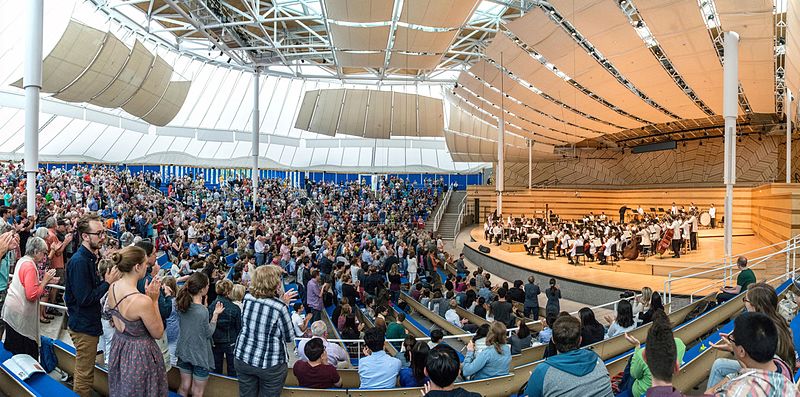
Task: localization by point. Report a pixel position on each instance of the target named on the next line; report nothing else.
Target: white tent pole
(32, 83)
(730, 107)
(788, 106)
(255, 139)
(530, 165)
(501, 130)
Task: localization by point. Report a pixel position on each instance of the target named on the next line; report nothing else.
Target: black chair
(579, 253)
(531, 246)
(549, 248)
(614, 256)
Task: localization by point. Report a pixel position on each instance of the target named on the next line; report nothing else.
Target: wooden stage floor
(651, 272)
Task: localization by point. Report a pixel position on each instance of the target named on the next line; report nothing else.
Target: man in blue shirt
(377, 369)
(82, 294)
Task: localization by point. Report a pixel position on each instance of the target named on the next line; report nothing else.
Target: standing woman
(136, 367)
(20, 308)
(195, 357)
(642, 303)
(553, 295)
(260, 354)
(394, 283)
(412, 266)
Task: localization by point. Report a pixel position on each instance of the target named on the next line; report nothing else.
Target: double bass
(665, 242)
(631, 251)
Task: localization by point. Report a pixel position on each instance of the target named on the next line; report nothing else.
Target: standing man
(622, 211)
(531, 305)
(56, 253)
(676, 237)
(713, 213)
(693, 233)
(84, 288)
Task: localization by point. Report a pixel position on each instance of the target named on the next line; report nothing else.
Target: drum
(705, 218)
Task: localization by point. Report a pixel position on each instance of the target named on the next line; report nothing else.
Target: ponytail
(196, 282)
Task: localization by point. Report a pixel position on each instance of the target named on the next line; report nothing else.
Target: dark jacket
(164, 302)
(229, 322)
(82, 293)
(532, 295)
(516, 295)
(591, 334)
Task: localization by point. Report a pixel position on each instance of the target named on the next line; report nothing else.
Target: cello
(665, 242)
(631, 251)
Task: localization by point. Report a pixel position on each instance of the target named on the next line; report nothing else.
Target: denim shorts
(197, 372)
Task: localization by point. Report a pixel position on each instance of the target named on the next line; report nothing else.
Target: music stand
(660, 209)
(652, 209)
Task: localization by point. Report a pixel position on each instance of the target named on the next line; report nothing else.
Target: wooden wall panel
(776, 211)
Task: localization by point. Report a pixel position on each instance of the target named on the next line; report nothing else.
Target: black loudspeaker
(484, 249)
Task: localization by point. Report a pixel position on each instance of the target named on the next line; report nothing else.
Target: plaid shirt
(266, 327)
(758, 383)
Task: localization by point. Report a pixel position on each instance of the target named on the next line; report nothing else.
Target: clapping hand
(289, 295)
(48, 275)
(153, 289)
(218, 309)
(724, 343)
(471, 346)
(632, 339)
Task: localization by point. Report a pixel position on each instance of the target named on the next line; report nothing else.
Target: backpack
(47, 355)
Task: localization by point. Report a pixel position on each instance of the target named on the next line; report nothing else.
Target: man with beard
(83, 292)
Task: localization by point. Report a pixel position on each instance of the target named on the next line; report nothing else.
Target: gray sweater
(194, 343)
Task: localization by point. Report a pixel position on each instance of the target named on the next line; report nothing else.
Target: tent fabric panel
(379, 115)
(607, 28)
(529, 114)
(438, 13)
(306, 110)
(414, 40)
(360, 60)
(679, 28)
(167, 108)
(558, 47)
(359, 10)
(404, 114)
(73, 54)
(129, 79)
(525, 66)
(354, 113)
(152, 89)
(431, 116)
(326, 112)
(360, 38)
(536, 101)
(400, 60)
(100, 73)
(753, 20)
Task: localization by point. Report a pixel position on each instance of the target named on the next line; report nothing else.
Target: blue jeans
(223, 351)
(721, 368)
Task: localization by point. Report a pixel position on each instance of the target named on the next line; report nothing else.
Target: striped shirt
(266, 327)
(759, 383)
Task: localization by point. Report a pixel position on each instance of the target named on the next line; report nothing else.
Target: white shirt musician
(676, 229)
(693, 221)
(674, 210)
(645, 235)
(640, 210)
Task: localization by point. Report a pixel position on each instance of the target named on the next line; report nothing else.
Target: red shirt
(322, 376)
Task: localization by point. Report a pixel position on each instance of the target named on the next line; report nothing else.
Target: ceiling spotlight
(220, 53)
(639, 24)
(213, 47)
(229, 60)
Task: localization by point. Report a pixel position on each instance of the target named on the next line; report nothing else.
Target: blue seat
(38, 384)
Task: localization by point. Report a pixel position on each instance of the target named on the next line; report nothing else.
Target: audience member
(396, 330)
(755, 341)
(336, 354)
(316, 373)
(83, 290)
(260, 353)
(21, 303)
(229, 323)
(195, 356)
(591, 329)
(492, 362)
(743, 280)
(501, 308)
(655, 305)
(137, 364)
(572, 372)
(553, 294)
(376, 369)
(442, 367)
(623, 321)
(531, 305)
(521, 338)
(639, 371)
(414, 374)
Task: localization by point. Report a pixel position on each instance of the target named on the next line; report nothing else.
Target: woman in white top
(642, 303)
(412, 266)
(623, 322)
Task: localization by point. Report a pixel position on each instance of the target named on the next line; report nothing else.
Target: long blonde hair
(647, 294)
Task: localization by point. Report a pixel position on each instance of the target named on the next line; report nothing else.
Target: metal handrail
(461, 207)
(729, 268)
(440, 211)
(721, 259)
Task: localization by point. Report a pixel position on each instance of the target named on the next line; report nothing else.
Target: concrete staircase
(450, 216)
